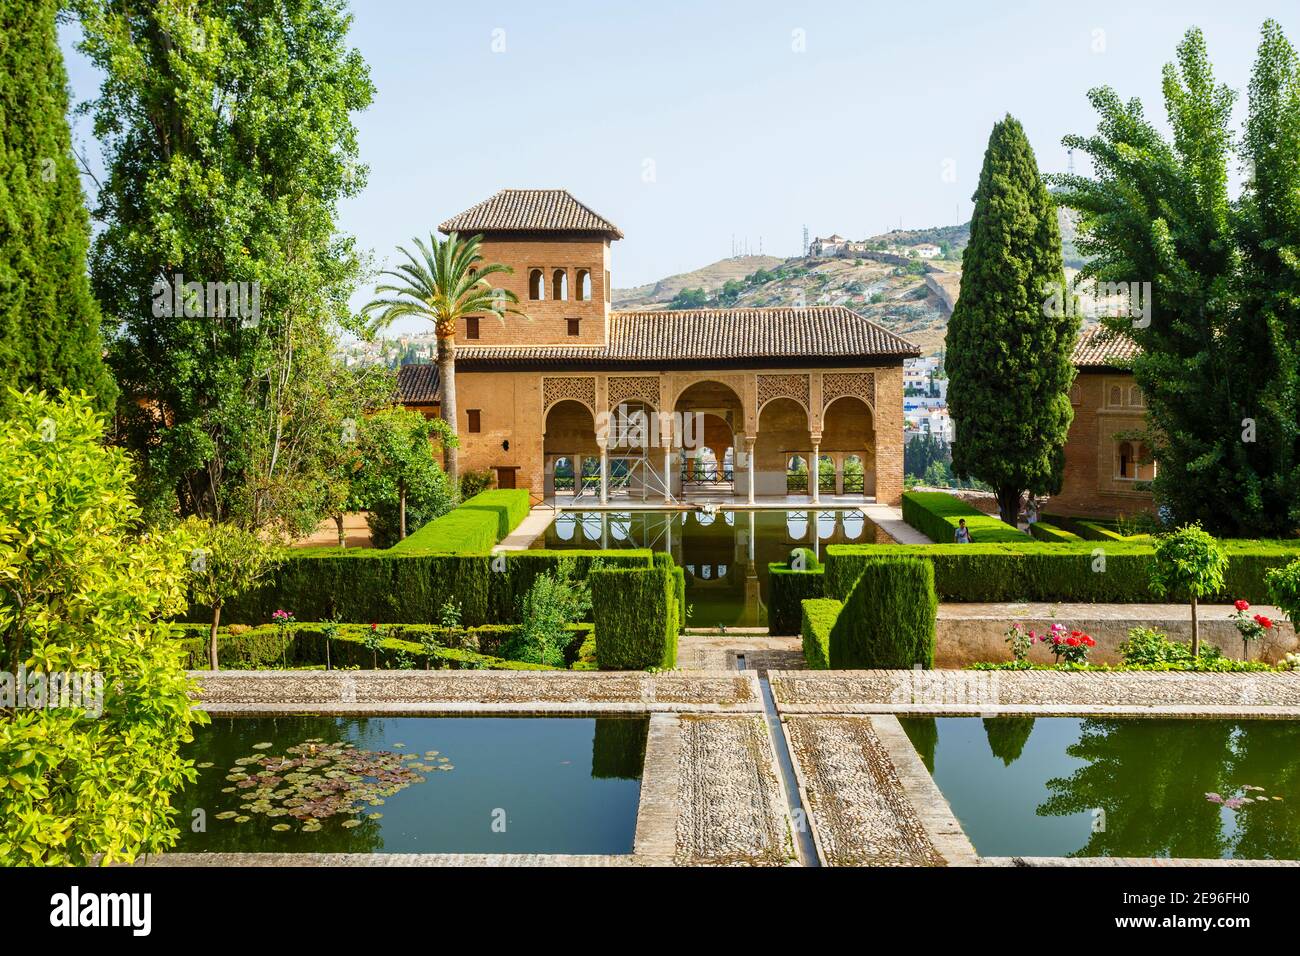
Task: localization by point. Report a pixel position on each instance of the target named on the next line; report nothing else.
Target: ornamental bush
(888, 619)
(789, 588)
(635, 611)
(82, 592)
(936, 515)
(818, 619)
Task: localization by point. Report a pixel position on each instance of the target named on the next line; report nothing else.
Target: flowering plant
(1021, 640)
(1072, 645)
(281, 616)
(1250, 627)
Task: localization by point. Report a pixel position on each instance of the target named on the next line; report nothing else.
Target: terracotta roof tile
(530, 210)
(418, 382)
(819, 334)
(1100, 347)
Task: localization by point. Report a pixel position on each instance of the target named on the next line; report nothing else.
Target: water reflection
(725, 560)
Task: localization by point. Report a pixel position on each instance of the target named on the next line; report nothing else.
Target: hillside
(897, 297)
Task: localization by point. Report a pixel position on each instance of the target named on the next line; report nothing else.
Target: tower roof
(531, 210)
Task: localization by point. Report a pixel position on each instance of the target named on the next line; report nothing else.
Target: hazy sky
(686, 123)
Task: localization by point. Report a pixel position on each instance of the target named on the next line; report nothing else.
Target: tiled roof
(530, 210)
(1100, 347)
(819, 335)
(418, 382)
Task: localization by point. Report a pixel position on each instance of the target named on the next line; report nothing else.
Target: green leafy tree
(1189, 564)
(81, 591)
(227, 134)
(49, 322)
(448, 282)
(1284, 589)
(227, 561)
(1218, 362)
(1008, 351)
(398, 467)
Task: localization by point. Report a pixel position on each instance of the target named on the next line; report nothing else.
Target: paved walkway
(529, 530)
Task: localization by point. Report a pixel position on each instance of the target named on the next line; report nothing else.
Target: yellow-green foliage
(819, 616)
(81, 591)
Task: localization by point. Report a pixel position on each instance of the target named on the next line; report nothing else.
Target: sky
(699, 127)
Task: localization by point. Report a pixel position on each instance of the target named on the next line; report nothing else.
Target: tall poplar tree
(228, 139)
(1011, 335)
(49, 322)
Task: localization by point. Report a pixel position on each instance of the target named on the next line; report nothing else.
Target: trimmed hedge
(818, 619)
(636, 617)
(365, 585)
(476, 525)
(1035, 571)
(273, 647)
(1042, 531)
(888, 619)
(787, 590)
(936, 514)
(663, 560)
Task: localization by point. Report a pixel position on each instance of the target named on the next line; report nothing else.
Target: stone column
(814, 471)
(666, 437)
(839, 474)
(604, 474)
(749, 459)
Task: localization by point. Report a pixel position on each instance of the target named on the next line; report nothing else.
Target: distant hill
(710, 278)
(898, 297)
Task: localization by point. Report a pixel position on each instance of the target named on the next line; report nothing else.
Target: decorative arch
(837, 385)
(577, 388)
(792, 386)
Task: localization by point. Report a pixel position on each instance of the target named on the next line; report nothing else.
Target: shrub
(1284, 590)
(788, 588)
(474, 481)
(1149, 645)
(888, 619)
(935, 515)
(83, 593)
(635, 613)
(1037, 571)
(1189, 563)
(551, 603)
(1042, 531)
(818, 618)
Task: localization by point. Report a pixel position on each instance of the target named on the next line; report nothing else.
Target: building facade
(575, 398)
(1108, 460)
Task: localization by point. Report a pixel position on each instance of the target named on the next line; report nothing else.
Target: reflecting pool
(414, 785)
(725, 554)
(1132, 787)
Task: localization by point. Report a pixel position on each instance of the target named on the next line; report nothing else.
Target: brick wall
(1091, 487)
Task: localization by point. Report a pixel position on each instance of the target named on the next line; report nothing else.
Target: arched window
(535, 290)
(1144, 463)
(582, 288)
(1135, 396)
(559, 285)
(1116, 396)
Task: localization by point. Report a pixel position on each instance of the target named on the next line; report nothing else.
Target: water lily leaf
(281, 827)
(374, 816)
(205, 765)
(264, 745)
(226, 815)
(349, 824)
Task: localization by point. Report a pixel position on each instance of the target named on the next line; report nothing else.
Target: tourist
(963, 533)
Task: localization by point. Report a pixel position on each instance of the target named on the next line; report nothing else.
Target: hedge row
(365, 585)
(789, 589)
(1083, 571)
(1094, 529)
(819, 616)
(936, 515)
(1043, 531)
(888, 620)
(475, 526)
(309, 645)
(636, 614)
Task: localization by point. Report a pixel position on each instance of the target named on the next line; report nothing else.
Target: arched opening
(535, 287)
(582, 287)
(783, 449)
(708, 414)
(559, 285)
(1124, 460)
(569, 448)
(826, 476)
(849, 433)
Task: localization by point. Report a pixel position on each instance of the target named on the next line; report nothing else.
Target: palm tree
(448, 282)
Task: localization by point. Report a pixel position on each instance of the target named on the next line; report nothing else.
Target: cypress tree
(1011, 334)
(49, 322)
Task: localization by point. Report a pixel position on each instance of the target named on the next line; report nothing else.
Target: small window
(1135, 396)
(573, 327)
(471, 327)
(559, 285)
(582, 288)
(474, 420)
(536, 289)
(606, 285)
(1116, 397)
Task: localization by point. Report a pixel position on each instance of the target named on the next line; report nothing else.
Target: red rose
(1263, 622)
(374, 627)
(1072, 641)
(1242, 605)
(1089, 641)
